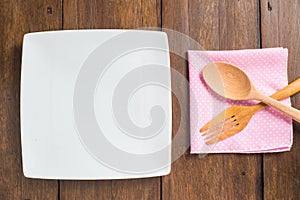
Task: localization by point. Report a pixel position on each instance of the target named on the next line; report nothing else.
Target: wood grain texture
(281, 27)
(87, 190)
(215, 25)
(111, 14)
(243, 114)
(16, 19)
(117, 14)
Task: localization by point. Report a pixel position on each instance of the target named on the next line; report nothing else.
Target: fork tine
(216, 139)
(205, 127)
(220, 118)
(222, 135)
(212, 141)
(217, 125)
(211, 133)
(216, 133)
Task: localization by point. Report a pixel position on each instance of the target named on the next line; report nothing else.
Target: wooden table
(216, 25)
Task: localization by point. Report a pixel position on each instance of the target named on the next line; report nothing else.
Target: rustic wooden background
(216, 25)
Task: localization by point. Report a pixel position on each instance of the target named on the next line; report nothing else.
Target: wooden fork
(234, 119)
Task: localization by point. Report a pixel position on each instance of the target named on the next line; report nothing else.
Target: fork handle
(290, 111)
(287, 91)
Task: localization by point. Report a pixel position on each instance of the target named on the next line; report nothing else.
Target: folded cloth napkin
(268, 130)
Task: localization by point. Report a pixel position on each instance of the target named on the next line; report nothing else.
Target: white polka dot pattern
(268, 130)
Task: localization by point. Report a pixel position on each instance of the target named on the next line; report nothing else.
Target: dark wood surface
(216, 25)
(17, 18)
(111, 14)
(281, 27)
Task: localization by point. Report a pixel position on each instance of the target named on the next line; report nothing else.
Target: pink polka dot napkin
(268, 130)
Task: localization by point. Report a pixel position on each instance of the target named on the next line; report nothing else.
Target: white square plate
(96, 104)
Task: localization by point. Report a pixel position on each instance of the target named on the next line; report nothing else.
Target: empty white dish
(96, 104)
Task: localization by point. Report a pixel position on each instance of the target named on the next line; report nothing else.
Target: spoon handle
(290, 111)
(287, 91)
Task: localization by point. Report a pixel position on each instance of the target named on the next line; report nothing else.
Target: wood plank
(223, 24)
(281, 27)
(136, 189)
(111, 14)
(87, 190)
(17, 18)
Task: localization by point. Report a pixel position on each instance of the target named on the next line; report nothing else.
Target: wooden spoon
(231, 82)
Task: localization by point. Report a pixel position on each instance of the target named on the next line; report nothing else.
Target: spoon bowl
(227, 80)
(231, 82)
